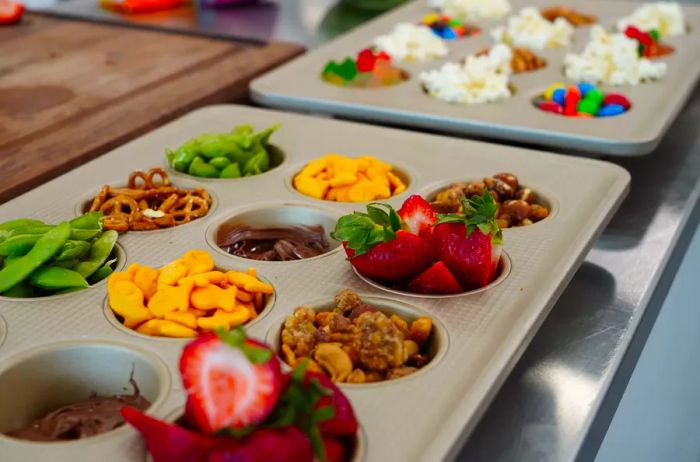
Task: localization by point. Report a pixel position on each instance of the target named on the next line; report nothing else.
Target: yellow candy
(126, 299)
(163, 328)
(185, 318)
(211, 297)
(172, 272)
(169, 298)
(146, 279)
(551, 89)
(247, 282)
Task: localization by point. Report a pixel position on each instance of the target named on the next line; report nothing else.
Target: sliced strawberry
(10, 11)
(231, 381)
(417, 214)
(335, 451)
(469, 244)
(287, 444)
(435, 280)
(343, 422)
(168, 442)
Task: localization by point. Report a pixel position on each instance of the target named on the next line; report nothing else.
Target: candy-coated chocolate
(573, 96)
(587, 106)
(549, 92)
(617, 98)
(585, 87)
(610, 110)
(559, 95)
(596, 96)
(551, 106)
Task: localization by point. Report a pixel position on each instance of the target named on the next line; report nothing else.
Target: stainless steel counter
(559, 399)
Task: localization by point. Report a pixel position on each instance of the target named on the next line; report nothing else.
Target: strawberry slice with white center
(231, 381)
(417, 214)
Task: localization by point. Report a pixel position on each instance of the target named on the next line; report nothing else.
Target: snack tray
(425, 416)
(298, 85)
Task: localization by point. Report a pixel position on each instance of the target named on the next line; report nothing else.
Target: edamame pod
(19, 223)
(91, 220)
(103, 272)
(232, 171)
(220, 162)
(45, 248)
(99, 252)
(21, 290)
(56, 278)
(200, 168)
(77, 234)
(72, 250)
(18, 245)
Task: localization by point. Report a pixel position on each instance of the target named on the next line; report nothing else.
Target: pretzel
(126, 208)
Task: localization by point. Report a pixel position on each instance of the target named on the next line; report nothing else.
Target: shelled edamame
(37, 259)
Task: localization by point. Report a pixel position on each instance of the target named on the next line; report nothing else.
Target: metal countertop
(559, 399)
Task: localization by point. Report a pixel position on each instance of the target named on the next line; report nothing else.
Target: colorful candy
(369, 69)
(448, 28)
(649, 45)
(583, 100)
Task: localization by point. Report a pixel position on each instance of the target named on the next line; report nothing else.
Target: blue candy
(610, 110)
(449, 34)
(585, 88)
(559, 95)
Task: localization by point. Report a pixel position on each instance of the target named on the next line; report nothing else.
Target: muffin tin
(480, 335)
(637, 132)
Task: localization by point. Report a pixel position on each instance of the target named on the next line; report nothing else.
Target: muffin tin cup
(484, 332)
(47, 378)
(635, 133)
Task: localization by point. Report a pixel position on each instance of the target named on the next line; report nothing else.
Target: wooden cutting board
(71, 90)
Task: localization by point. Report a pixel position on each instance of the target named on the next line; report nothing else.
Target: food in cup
(84, 419)
(522, 60)
(575, 17)
(667, 18)
(370, 69)
(39, 259)
(612, 59)
(583, 100)
(471, 10)
(650, 45)
(530, 29)
(411, 42)
(241, 406)
(274, 244)
(355, 342)
(448, 28)
(339, 178)
(517, 205)
(240, 153)
(149, 202)
(415, 250)
(186, 297)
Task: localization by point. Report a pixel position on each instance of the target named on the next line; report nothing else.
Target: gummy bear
(366, 60)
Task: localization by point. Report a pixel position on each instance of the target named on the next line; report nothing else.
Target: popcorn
(472, 9)
(664, 17)
(612, 59)
(530, 29)
(410, 42)
(481, 79)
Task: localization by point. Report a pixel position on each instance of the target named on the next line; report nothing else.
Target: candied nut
(381, 342)
(421, 329)
(538, 212)
(289, 356)
(525, 222)
(410, 349)
(525, 194)
(503, 221)
(346, 300)
(358, 310)
(334, 360)
(509, 179)
(339, 323)
(401, 324)
(352, 352)
(356, 376)
(419, 360)
(517, 210)
(373, 376)
(399, 372)
(299, 331)
(503, 190)
(323, 318)
(475, 189)
(311, 365)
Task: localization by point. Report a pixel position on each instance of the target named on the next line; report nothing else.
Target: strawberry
(231, 381)
(10, 11)
(287, 444)
(417, 214)
(334, 449)
(343, 422)
(435, 280)
(377, 246)
(168, 442)
(470, 244)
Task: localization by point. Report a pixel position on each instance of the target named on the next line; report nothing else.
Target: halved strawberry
(231, 381)
(343, 422)
(287, 444)
(378, 247)
(167, 442)
(10, 11)
(335, 451)
(435, 280)
(417, 214)
(470, 244)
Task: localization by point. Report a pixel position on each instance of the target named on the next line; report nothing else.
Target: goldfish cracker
(116, 277)
(186, 318)
(252, 272)
(204, 279)
(343, 179)
(314, 167)
(132, 269)
(222, 319)
(146, 279)
(312, 187)
(396, 182)
(243, 296)
(169, 298)
(163, 328)
(387, 167)
(211, 297)
(195, 312)
(172, 272)
(198, 261)
(126, 299)
(258, 300)
(247, 282)
(252, 312)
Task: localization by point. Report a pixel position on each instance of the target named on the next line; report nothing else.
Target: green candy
(587, 106)
(595, 95)
(220, 162)
(56, 278)
(200, 168)
(347, 70)
(232, 171)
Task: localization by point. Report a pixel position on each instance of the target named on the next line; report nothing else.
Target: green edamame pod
(65, 263)
(77, 234)
(32, 229)
(220, 162)
(200, 168)
(67, 290)
(84, 234)
(6, 261)
(19, 223)
(56, 278)
(232, 171)
(99, 252)
(257, 164)
(212, 146)
(21, 290)
(263, 138)
(91, 220)
(18, 245)
(103, 272)
(243, 135)
(72, 250)
(184, 155)
(45, 248)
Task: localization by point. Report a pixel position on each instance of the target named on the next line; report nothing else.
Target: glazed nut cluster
(576, 18)
(518, 205)
(355, 342)
(522, 59)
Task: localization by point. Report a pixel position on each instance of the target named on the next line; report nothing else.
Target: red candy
(366, 60)
(617, 98)
(551, 106)
(573, 96)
